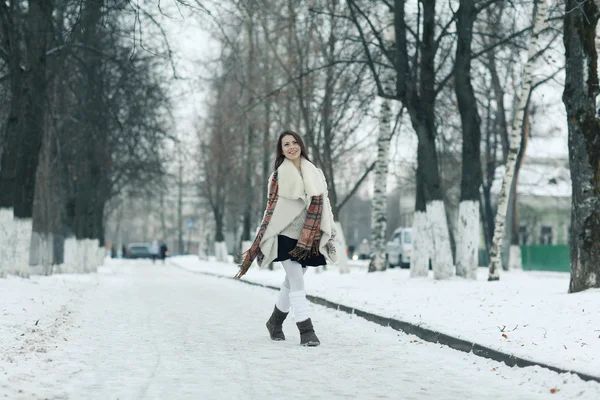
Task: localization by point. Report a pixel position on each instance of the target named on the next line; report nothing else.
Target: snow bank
(34, 312)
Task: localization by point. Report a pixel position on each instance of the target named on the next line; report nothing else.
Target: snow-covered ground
(528, 314)
(141, 331)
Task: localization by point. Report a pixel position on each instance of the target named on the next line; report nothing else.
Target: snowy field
(528, 314)
(141, 331)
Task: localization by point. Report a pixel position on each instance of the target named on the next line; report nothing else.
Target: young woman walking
(297, 229)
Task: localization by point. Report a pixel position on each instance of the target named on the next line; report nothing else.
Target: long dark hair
(279, 157)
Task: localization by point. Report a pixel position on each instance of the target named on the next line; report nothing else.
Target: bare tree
(468, 225)
(415, 76)
(583, 116)
(515, 131)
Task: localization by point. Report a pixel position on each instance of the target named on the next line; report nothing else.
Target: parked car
(398, 249)
(138, 250)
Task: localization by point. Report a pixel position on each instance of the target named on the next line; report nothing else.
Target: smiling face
(290, 147)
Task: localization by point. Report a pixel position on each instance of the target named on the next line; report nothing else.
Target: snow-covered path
(158, 332)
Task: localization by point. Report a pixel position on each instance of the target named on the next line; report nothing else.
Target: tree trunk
(581, 101)
(379, 207)
(419, 262)
(516, 128)
(468, 216)
(163, 222)
(512, 255)
(249, 171)
(421, 107)
(39, 34)
(180, 205)
(8, 153)
(10, 143)
(248, 188)
(490, 170)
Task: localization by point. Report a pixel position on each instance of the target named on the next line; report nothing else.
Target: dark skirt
(286, 244)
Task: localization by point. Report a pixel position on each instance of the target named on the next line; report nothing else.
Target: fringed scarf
(308, 243)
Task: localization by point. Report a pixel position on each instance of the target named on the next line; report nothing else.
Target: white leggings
(292, 291)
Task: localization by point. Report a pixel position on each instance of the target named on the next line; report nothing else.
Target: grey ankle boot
(307, 334)
(274, 324)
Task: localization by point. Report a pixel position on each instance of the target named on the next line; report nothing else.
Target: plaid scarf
(310, 237)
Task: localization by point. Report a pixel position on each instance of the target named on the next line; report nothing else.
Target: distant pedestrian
(297, 229)
(154, 250)
(163, 252)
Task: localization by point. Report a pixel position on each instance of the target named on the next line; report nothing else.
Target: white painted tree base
(41, 253)
(221, 251)
(18, 245)
(69, 265)
(378, 262)
(82, 256)
(515, 260)
(441, 260)
(419, 259)
(340, 247)
(467, 240)
(92, 256)
(6, 229)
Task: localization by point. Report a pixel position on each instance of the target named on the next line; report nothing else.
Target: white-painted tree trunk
(81, 264)
(340, 246)
(6, 231)
(70, 256)
(92, 255)
(101, 256)
(42, 252)
(19, 244)
(221, 251)
(468, 239)
(515, 134)
(421, 238)
(441, 259)
(379, 203)
(515, 261)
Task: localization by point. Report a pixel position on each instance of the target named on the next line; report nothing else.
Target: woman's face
(290, 147)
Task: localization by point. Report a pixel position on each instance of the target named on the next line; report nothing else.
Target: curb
(425, 334)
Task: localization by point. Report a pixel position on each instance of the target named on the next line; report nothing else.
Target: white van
(398, 249)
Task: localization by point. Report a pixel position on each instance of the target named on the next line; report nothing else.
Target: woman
(297, 229)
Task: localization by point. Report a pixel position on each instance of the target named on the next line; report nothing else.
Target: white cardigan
(295, 193)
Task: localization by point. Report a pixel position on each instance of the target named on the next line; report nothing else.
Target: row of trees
(281, 67)
(459, 74)
(86, 116)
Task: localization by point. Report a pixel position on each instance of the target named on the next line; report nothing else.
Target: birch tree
(416, 88)
(379, 202)
(582, 101)
(515, 131)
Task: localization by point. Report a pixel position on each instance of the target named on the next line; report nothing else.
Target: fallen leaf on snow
(505, 336)
(553, 390)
